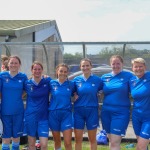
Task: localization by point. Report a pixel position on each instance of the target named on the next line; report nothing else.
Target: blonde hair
(138, 60)
(4, 58)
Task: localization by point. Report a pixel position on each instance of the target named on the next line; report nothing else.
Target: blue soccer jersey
(116, 89)
(37, 99)
(12, 89)
(140, 91)
(141, 105)
(61, 95)
(87, 91)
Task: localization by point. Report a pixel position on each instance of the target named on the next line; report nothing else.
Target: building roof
(18, 28)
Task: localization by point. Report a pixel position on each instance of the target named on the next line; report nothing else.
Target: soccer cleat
(101, 138)
(38, 145)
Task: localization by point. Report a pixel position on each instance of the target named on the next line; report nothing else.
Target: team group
(49, 104)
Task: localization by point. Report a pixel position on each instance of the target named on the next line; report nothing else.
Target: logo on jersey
(145, 133)
(44, 85)
(93, 84)
(144, 80)
(19, 81)
(7, 80)
(133, 82)
(55, 87)
(121, 79)
(79, 84)
(108, 79)
(31, 88)
(68, 89)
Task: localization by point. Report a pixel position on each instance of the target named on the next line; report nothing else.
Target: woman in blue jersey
(140, 91)
(12, 108)
(36, 113)
(86, 105)
(115, 112)
(60, 107)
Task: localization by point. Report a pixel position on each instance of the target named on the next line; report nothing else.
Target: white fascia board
(45, 33)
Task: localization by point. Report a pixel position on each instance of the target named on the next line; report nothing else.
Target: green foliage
(72, 58)
(107, 52)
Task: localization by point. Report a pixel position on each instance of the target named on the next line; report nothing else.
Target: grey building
(29, 31)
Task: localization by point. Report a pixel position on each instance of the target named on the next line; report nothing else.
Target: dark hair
(14, 57)
(86, 59)
(36, 63)
(6, 68)
(61, 65)
(116, 56)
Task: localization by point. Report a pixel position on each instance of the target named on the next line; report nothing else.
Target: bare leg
(92, 139)
(44, 143)
(31, 142)
(78, 139)
(57, 139)
(115, 141)
(67, 134)
(142, 143)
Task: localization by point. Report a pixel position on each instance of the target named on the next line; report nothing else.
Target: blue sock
(15, 145)
(5, 146)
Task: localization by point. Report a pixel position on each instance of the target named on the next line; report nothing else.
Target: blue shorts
(115, 120)
(37, 128)
(12, 125)
(60, 120)
(141, 125)
(86, 115)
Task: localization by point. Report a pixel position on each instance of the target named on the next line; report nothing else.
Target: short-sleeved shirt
(140, 91)
(61, 94)
(87, 90)
(12, 89)
(37, 99)
(116, 89)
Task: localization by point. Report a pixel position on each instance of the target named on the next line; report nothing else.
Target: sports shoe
(38, 145)
(101, 138)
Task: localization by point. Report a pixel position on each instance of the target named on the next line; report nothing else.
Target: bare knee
(68, 144)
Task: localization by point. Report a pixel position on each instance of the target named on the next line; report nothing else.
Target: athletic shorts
(60, 120)
(12, 125)
(37, 128)
(115, 119)
(86, 116)
(141, 125)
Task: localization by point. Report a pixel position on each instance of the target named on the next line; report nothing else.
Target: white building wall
(41, 35)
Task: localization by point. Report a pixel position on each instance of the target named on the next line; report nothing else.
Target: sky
(86, 20)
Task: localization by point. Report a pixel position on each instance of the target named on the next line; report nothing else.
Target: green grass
(85, 146)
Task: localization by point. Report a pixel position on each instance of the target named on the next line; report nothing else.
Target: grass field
(85, 146)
